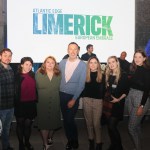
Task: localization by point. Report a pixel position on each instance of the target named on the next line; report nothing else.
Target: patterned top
(6, 87)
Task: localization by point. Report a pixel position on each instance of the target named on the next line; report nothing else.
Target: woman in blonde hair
(117, 84)
(48, 107)
(92, 102)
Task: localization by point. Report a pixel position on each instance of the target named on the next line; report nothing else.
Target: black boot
(69, 145)
(119, 147)
(75, 144)
(21, 146)
(91, 145)
(111, 147)
(28, 146)
(98, 146)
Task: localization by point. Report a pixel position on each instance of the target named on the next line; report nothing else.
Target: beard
(5, 63)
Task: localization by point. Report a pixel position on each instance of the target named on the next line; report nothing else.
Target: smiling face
(139, 59)
(50, 64)
(93, 64)
(73, 51)
(113, 64)
(26, 67)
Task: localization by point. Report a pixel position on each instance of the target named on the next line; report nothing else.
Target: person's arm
(145, 93)
(124, 88)
(115, 100)
(146, 88)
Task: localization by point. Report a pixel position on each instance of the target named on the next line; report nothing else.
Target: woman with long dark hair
(25, 102)
(138, 97)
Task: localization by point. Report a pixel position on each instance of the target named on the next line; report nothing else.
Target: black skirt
(26, 110)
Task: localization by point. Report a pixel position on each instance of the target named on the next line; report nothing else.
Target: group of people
(56, 89)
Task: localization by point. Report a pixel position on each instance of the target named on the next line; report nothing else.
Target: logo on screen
(54, 22)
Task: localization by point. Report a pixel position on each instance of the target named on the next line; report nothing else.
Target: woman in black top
(92, 102)
(138, 98)
(117, 83)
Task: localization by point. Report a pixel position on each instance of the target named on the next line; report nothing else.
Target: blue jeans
(69, 116)
(6, 117)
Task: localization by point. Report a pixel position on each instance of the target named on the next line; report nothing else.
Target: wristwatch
(142, 106)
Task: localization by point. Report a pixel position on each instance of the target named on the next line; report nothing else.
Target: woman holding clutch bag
(92, 102)
(117, 83)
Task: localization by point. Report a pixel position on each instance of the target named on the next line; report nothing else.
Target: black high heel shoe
(21, 147)
(46, 147)
(69, 145)
(50, 142)
(29, 146)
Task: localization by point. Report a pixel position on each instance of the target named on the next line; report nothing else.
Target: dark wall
(142, 23)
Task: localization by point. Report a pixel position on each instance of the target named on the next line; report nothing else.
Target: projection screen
(42, 28)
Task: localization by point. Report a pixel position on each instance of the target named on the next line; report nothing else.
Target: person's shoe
(21, 147)
(119, 147)
(91, 145)
(10, 148)
(111, 147)
(99, 146)
(46, 147)
(29, 146)
(75, 144)
(69, 145)
(50, 142)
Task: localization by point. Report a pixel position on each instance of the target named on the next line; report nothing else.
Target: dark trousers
(69, 116)
(114, 133)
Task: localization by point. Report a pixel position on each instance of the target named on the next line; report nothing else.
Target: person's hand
(115, 100)
(139, 111)
(71, 103)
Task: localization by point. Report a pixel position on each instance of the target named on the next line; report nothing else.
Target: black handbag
(107, 96)
(107, 105)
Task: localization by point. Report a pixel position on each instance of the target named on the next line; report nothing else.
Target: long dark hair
(146, 64)
(99, 70)
(23, 60)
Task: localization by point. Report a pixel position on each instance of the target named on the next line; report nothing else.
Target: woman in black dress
(117, 83)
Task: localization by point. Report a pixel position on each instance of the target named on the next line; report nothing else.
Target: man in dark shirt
(89, 53)
(124, 64)
(6, 96)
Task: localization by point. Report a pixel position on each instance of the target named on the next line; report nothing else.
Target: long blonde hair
(99, 71)
(110, 72)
